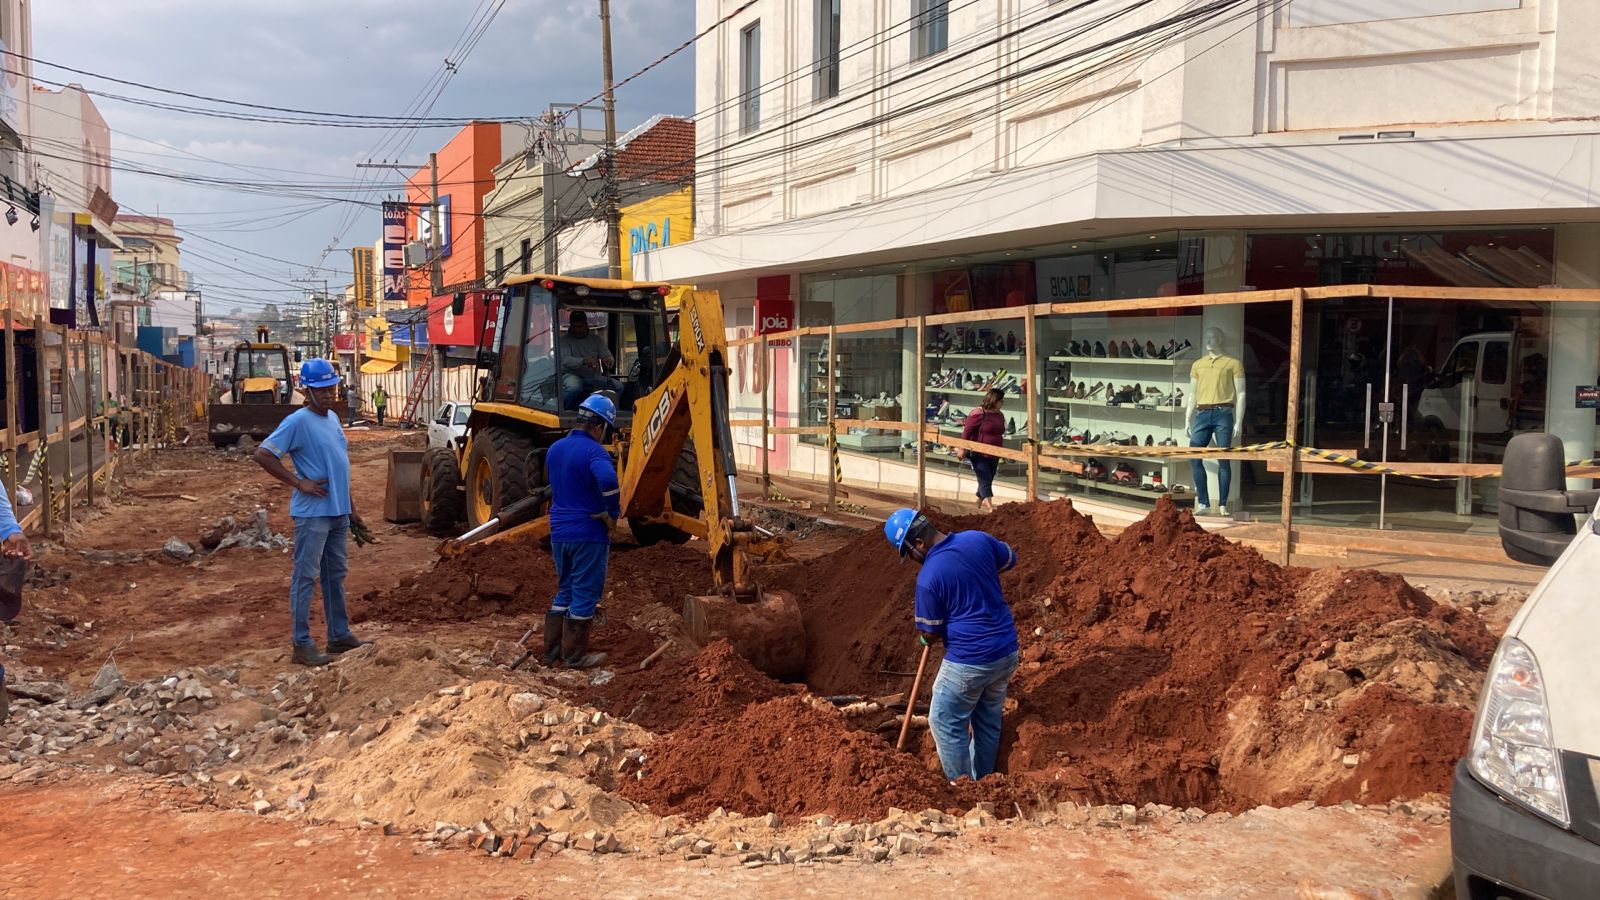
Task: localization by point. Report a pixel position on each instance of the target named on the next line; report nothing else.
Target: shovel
(911, 701)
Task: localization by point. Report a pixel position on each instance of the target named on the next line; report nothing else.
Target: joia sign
(775, 315)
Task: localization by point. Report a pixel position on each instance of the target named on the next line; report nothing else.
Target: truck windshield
(261, 364)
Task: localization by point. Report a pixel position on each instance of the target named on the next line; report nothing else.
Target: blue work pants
(580, 577)
(320, 554)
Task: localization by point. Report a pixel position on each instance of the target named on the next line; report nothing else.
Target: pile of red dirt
(1172, 665)
(714, 685)
(787, 757)
(857, 602)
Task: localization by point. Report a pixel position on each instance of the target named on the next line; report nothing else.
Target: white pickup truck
(1525, 803)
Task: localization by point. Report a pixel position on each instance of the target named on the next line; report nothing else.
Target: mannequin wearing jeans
(1214, 412)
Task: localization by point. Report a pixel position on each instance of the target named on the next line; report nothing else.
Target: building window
(525, 261)
(826, 80)
(750, 78)
(930, 32)
(499, 263)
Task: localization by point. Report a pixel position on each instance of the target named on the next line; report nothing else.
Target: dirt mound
(788, 757)
(714, 685)
(1172, 665)
(490, 579)
(857, 602)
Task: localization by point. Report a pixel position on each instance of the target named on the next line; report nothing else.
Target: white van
(1525, 802)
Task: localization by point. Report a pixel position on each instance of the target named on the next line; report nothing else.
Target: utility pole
(613, 209)
(435, 265)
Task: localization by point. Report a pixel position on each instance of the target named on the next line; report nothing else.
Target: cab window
(538, 388)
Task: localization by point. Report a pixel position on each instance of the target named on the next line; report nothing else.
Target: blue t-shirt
(320, 452)
(582, 482)
(8, 519)
(958, 598)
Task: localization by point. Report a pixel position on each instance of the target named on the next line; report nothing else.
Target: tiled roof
(661, 149)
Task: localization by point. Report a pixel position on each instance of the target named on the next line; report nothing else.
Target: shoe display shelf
(1014, 407)
(1100, 420)
(866, 368)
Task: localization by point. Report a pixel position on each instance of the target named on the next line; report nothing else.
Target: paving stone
(262, 807)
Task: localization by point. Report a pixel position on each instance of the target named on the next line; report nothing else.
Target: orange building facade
(466, 175)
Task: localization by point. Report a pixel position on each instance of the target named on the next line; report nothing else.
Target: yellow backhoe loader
(672, 444)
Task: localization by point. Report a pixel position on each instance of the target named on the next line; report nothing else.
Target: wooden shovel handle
(911, 701)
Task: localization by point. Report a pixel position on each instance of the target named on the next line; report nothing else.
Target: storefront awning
(378, 367)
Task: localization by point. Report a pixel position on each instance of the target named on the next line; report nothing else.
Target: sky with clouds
(357, 56)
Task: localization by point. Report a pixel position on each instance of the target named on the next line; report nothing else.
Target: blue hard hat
(599, 406)
(318, 373)
(903, 526)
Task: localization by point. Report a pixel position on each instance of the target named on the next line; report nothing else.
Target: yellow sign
(361, 262)
(658, 222)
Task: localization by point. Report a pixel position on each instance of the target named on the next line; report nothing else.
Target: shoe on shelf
(1111, 350)
(1127, 352)
(1149, 440)
(1011, 342)
(1176, 400)
(1011, 425)
(1124, 474)
(1180, 489)
(1149, 350)
(1099, 350)
(1094, 469)
(1182, 350)
(1138, 350)
(1156, 483)
(1095, 391)
(1168, 442)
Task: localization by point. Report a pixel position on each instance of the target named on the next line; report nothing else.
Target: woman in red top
(985, 425)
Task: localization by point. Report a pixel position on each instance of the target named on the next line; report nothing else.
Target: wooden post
(41, 367)
(918, 403)
(88, 418)
(65, 430)
(765, 366)
(13, 426)
(1030, 334)
(833, 439)
(1292, 417)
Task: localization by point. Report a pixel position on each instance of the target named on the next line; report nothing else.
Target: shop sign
(394, 254)
(650, 236)
(446, 327)
(1588, 397)
(1065, 279)
(361, 268)
(774, 314)
(345, 343)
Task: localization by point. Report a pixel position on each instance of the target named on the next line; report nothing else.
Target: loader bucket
(766, 631)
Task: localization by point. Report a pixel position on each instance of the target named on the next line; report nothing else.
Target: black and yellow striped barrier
(833, 453)
(1115, 451)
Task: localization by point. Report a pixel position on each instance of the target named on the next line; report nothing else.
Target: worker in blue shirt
(12, 543)
(585, 503)
(960, 603)
(321, 507)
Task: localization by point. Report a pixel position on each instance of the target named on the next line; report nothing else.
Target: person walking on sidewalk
(585, 503)
(959, 602)
(380, 403)
(322, 508)
(13, 543)
(985, 425)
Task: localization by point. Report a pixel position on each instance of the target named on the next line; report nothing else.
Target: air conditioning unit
(416, 254)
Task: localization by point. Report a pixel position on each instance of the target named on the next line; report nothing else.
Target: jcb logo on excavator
(694, 324)
(652, 429)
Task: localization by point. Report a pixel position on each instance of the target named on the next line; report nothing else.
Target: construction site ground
(207, 764)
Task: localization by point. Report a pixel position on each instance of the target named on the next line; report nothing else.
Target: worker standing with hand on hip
(585, 503)
(322, 509)
(959, 601)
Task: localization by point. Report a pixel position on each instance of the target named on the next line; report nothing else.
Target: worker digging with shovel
(959, 602)
(585, 503)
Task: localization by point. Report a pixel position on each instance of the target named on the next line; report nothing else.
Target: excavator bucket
(765, 630)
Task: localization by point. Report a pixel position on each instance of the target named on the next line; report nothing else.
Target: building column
(1574, 344)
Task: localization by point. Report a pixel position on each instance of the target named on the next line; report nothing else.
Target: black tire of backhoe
(445, 503)
(686, 500)
(511, 452)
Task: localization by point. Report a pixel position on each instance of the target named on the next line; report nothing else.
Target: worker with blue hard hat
(585, 504)
(322, 508)
(959, 602)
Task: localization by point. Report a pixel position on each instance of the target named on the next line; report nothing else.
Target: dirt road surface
(87, 827)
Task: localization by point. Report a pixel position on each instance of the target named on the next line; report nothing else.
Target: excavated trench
(1165, 665)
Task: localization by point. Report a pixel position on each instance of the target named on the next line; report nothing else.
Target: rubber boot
(575, 645)
(553, 623)
(309, 655)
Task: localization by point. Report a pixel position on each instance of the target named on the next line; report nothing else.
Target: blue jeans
(320, 554)
(1209, 423)
(580, 577)
(969, 697)
(984, 468)
(576, 388)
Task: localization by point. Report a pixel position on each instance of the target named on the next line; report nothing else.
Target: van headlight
(1512, 747)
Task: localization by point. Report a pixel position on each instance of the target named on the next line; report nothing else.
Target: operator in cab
(585, 360)
(959, 602)
(585, 503)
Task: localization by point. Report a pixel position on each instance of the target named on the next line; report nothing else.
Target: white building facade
(916, 157)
